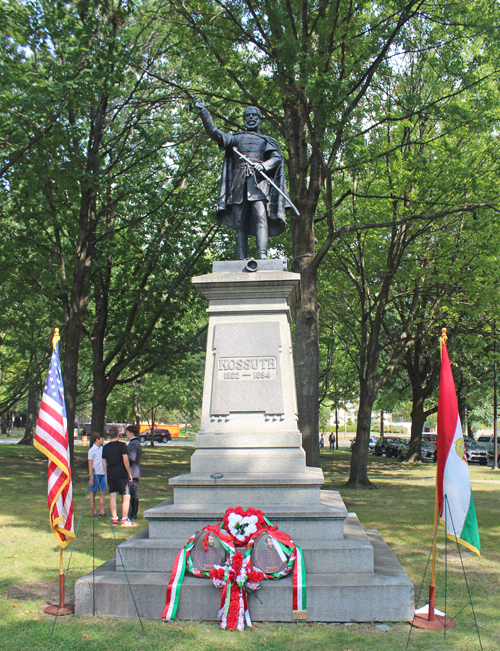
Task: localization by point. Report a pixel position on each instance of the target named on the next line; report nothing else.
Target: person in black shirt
(118, 475)
(134, 451)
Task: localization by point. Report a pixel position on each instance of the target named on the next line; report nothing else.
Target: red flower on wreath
(254, 576)
(216, 573)
(234, 608)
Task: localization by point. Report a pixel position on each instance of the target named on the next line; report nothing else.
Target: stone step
(323, 519)
(243, 460)
(384, 595)
(255, 488)
(352, 554)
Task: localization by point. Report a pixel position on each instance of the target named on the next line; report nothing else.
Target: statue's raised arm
(247, 202)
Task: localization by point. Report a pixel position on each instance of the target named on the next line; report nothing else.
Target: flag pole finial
(443, 338)
(56, 338)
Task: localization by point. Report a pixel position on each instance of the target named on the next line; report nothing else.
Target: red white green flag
(455, 501)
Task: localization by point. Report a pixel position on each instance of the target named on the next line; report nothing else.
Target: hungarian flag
(51, 438)
(455, 501)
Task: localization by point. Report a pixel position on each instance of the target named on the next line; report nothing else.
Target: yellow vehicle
(174, 430)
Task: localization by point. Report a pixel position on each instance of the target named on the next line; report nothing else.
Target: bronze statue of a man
(248, 202)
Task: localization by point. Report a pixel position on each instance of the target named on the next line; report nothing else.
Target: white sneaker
(128, 523)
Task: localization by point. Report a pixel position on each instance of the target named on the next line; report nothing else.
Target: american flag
(51, 438)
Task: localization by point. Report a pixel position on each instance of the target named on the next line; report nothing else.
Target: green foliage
(104, 217)
(388, 117)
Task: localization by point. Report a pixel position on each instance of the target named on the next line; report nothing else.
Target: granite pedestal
(248, 453)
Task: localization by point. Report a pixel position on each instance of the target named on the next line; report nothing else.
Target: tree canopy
(387, 114)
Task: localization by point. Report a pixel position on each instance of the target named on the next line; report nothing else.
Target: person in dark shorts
(119, 477)
(134, 451)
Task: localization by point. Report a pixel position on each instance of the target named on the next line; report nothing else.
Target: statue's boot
(261, 238)
(241, 245)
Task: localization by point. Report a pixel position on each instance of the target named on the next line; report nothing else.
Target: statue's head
(251, 118)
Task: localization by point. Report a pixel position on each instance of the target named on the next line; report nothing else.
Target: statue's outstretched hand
(199, 103)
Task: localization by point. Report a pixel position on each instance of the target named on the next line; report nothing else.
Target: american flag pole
(51, 438)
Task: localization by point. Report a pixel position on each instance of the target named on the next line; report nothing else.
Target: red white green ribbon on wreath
(239, 528)
(174, 585)
(299, 581)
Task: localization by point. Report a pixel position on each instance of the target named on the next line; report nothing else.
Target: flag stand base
(430, 618)
(437, 624)
(61, 608)
(67, 609)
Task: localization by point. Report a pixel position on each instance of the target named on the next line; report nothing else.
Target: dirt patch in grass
(35, 590)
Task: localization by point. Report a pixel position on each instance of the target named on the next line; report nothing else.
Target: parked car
(86, 428)
(429, 438)
(387, 446)
(160, 435)
(474, 452)
(392, 446)
(380, 444)
(427, 450)
(403, 449)
(488, 443)
(371, 444)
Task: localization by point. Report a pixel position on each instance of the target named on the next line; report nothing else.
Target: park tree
(395, 286)
(100, 190)
(25, 334)
(315, 70)
(146, 313)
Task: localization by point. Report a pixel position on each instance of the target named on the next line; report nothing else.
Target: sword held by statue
(252, 164)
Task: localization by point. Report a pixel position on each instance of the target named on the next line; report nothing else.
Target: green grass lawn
(401, 509)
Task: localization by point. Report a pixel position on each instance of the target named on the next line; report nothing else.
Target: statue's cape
(277, 203)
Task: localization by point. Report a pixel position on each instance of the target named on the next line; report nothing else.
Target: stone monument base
(352, 575)
(249, 454)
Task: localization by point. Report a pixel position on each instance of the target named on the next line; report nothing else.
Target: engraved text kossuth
(247, 368)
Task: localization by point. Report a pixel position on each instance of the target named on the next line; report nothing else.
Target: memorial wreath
(238, 534)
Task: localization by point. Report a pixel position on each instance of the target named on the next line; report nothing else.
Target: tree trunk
(152, 429)
(72, 336)
(29, 432)
(5, 421)
(137, 403)
(417, 424)
(99, 400)
(306, 352)
(100, 383)
(305, 183)
(423, 374)
(358, 476)
(85, 253)
(461, 410)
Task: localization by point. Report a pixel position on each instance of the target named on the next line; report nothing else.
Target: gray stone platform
(324, 519)
(249, 453)
(386, 594)
(351, 553)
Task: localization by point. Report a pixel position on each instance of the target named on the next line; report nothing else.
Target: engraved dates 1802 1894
(247, 368)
